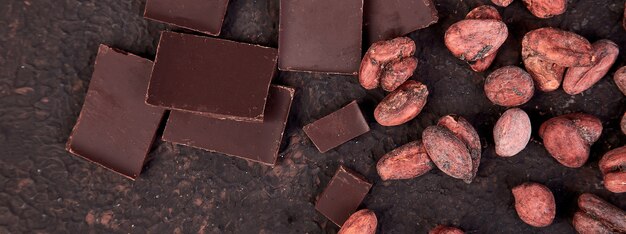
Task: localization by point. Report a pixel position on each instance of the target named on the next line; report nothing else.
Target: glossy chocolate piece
(116, 128)
(257, 142)
(337, 128)
(387, 19)
(343, 195)
(214, 77)
(205, 16)
(320, 36)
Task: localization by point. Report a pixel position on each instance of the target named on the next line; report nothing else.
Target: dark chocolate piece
(320, 36)
(387, 19)
(342, 196)
(337, 128)
(257, 142)
(205, 16)
(214, 77)
(116, 128)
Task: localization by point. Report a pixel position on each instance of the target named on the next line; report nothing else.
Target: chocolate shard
(198, 15)
(337, 128)
(342, 196)
(387, 19)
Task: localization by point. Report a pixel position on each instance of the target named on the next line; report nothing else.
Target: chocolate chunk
(342, 196)
(387, 19)
(218, 78)
(320, 36)
(257, 142)
(337, 128)
(116, 128)
(198, 15)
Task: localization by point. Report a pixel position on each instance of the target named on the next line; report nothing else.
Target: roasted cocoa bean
(361, 222)
(405, 162)
(585, 224)
(613, 166)
(552, 45)
(502, 3)
(609, 215)
(396, 73)
(622, 124)
(569, 137)
(512, 132)
(483, 12)
(441, 229)
(547, 76)
(534, 204)
(369, 73)
(615, 181)
(620, 79)
(475, 39)
(579, 79)
(401, 105)
(509, 86)
(448, 152)
(379, 55)
(463, 130)
(546, 8)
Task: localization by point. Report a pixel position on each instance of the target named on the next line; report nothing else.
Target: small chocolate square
(337, 128)
(343, 195)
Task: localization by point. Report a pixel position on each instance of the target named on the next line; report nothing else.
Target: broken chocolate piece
(257, 142)
(214, 77)
(342, 196)
(198, 15)
(337, 128)
(116, 128)
(387, 19)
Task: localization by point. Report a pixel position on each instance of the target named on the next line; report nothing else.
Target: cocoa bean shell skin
(512, 132)
(557, 46)
(361, 222)
(579, 79)
(369, 73)
(585, 224)
(396, 73)
(391, 50)
(620, 79)
(484, 12)
(509, 86)
(615, 181)
(611, 216)
(448, 152)
(534, 204)
(474, 39)
(502, 3)
(547, 76)
(402, 105)
(546, 8)
(614, 160)
(405, 162)
(589, 127)
(441, 229)
(463, 130)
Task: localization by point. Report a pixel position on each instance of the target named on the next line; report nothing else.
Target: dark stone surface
(47, 50)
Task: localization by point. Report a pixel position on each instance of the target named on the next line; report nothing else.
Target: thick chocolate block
(205, 16)
(387, 19)
(257, 142)
(320, 36)
(337, 128)
(214, 77)
(116, 128)
(342, 196)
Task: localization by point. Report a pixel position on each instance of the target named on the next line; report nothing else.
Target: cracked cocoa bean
(405, 162)
(402, 105)
(464, 131)
(512, 132)
(609, 215)
(379, 55)
(620, 79)
(483, 12)
(361, 222)
(474, 39)
(441, 229)
(613, 167)
(547, 76)
(579, 79)
(568, 138)
(502, 3)
(534, 204)
(509, 86)
(546, 8)
(553, 45)
(585, 224)
(396, 73)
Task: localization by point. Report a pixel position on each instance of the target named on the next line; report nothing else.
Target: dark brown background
(47, 48)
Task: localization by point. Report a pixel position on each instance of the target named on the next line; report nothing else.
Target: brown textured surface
(47, 49)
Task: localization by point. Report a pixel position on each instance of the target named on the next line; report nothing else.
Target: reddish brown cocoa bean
(623, 123)
(396, 73)
(552, 45)
(502, 3)
(379, 55)
(547, 76)
(568, 137)
(614, 160)
(620, 79)
(585, 224)
(369, 74)
(474, 39)
(448, 152)
(405, 162)
(534, 204)
(512, 132)
(441, 229)
(402, 105)
(463, 130)
(483, 12)
(611, 216)
(361, 222)
(509, 86)
(546, 8)
(579, 79)
(615, 181)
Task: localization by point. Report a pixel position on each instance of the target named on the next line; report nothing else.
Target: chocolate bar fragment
(320, 36)
(342, 196)
(116, 128)
(387, 19)
(214, 77)
(337, 128)
(205, 16)
(257, 142)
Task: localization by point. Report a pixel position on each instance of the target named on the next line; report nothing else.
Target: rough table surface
(47, 49)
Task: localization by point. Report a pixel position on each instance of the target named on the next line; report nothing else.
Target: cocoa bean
(611, 216)
(361, 222)
(546, 8)
(369, 73)
(615, 182)
(620, 79)
(585, 224)
(397, 72)
(483, 12)
(401, 105)
(509, 86)
(552, 45)
(579, 79)
(405, 162)
(614, 160)
(534, 204)
(463, 130)
(448, 152)
(441, 229)
(502, 3)
(622, 124)
(569, 137)
(547, 76)
(473, 39)
(379, 55)
(512, 132)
